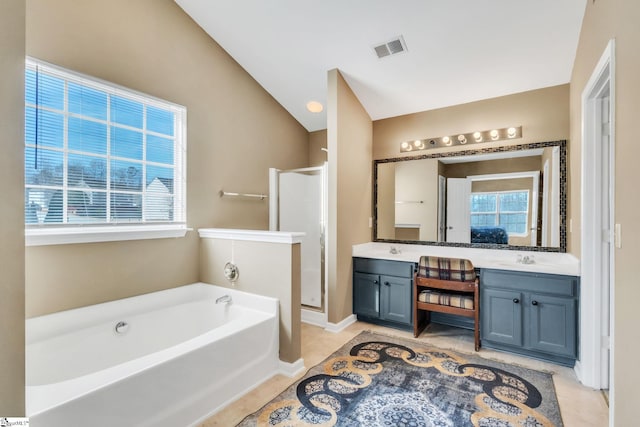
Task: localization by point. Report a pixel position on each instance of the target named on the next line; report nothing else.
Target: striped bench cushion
(446, 269)
(442, 298)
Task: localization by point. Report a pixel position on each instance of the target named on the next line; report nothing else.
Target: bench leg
(476, 330)
(420, 321)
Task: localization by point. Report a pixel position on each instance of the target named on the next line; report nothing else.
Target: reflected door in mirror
(458, 228)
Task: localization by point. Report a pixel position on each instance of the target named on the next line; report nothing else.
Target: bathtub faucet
(223, 298)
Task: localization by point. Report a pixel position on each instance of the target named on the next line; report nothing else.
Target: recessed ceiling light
(314, 106)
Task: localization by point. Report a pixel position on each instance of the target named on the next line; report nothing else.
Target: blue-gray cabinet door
(366, 294)
(396, 299)
(501, 316)
(552, 322)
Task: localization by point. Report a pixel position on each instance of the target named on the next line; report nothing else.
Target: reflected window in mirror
(505, 209)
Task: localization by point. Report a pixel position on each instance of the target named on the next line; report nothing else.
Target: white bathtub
(181, 358)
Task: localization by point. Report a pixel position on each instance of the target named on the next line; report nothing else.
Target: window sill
(66, 235)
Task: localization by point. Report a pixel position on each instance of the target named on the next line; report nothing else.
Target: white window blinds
(97, 153)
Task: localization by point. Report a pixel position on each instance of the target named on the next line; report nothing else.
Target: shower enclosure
(297, 202)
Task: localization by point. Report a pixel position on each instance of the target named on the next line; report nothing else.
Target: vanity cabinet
(530, 313)
(382, 292)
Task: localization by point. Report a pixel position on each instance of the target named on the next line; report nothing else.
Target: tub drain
(121, 327)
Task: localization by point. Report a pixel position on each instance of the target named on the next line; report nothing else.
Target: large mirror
(511, 197)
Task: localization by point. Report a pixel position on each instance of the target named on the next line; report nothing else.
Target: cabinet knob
(387, 284)
(534, 302)
(375, 282)
(516, 300)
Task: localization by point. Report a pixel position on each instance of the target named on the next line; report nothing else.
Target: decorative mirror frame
(562, 144)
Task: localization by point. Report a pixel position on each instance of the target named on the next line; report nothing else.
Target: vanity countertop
(543, 262)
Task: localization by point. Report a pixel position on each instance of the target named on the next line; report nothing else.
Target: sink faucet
(224, 298)
(525, 259)
(394, 250)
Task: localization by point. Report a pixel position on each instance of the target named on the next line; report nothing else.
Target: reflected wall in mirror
(510, 197)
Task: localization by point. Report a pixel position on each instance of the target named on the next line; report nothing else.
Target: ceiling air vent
(392, 47)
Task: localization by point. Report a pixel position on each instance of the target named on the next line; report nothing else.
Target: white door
(555, 195)
(534, 207)
(442, 212)
(597, 282)
(300, 209)
(458, 210)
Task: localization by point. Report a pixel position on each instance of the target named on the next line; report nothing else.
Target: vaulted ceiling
(457, 51)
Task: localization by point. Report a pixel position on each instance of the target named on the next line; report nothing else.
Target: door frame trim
(590, 367)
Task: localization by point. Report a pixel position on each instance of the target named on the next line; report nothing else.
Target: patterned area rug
(377, 380)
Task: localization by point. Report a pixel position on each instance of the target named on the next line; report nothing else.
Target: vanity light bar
(462, 139)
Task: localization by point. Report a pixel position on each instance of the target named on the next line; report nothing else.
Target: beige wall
(12, 208)
(317, 141)
(606, 19)
(269, 269)
(512, 184)
(543, 115)
(236, 131)
(349, 138)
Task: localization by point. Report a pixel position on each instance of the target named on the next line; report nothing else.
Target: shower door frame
(316, 315)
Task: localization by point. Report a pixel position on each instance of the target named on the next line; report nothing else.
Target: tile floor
(580, 406)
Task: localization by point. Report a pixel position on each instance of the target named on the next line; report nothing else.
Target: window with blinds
(100, 154)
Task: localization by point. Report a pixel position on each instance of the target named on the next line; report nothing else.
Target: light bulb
(477, 136)
(315, 106)
(405, 146)
(462, 139)
(511, 132)
(418, 144)
(494, 134)
(446, 140)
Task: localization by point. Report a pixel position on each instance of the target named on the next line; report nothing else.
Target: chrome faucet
(224, 298)
(527, 259)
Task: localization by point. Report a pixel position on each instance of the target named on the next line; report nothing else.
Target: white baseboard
(315, 318)
(338, 327)
(291, 369)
